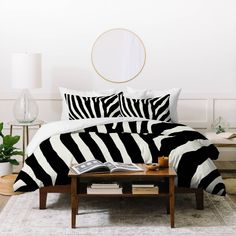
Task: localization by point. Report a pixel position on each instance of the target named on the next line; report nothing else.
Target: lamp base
(25, 108)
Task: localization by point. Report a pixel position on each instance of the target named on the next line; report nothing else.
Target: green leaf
(17, 153)
(7, 149)
(1, 127)
(9, 140)
(14, 162)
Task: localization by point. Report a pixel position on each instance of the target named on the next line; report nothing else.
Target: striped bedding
(190, 153)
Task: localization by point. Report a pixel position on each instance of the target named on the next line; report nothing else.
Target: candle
(163, 161)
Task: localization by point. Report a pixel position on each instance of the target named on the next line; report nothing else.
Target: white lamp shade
(26, 70)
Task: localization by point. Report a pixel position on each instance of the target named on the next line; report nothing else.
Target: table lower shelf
(226, 166)
(123, 195)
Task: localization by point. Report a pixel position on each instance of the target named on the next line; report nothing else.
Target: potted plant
(7, 151)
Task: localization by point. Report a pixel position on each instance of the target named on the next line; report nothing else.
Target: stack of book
(98, 188)
(145, 189)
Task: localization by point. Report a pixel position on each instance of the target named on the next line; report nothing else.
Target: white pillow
(65, 111)
(135, 93)
(145, 93)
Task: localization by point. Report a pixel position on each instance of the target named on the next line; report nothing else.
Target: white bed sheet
(64, 126)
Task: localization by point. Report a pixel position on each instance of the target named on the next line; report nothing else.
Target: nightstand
(25, 132)
(219, 142)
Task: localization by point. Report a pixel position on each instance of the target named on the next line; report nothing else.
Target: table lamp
(26, 74)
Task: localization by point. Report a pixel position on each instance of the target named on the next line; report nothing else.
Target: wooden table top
(220, 142)
(34, 123)
(161, 172)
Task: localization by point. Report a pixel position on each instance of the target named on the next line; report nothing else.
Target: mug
(163, 161)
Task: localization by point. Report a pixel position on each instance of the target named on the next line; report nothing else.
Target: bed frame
(43, 192)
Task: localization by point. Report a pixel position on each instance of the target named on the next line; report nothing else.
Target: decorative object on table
(163, 161)
(7, 150)
(219, 125)
(152, 166)
(227, 135)
(6, 184)
(26, 74)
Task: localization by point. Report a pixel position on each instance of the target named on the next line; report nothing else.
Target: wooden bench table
(166, 175)
(229, 144)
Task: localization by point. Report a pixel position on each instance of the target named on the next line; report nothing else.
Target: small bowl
(152, 166)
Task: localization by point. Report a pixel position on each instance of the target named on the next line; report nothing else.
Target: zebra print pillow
(149, 108)
(92, 107)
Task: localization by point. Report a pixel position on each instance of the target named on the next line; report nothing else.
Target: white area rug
(112, 216)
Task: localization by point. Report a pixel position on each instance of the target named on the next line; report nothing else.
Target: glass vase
(25, 108)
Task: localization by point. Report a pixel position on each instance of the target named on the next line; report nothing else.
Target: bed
(118, 128)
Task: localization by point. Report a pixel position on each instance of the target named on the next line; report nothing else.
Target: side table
(164, 174)
(25, 132)
(220, 142)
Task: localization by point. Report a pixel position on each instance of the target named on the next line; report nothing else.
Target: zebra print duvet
(190, 153)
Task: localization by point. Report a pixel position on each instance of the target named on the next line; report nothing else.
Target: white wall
(189, 43)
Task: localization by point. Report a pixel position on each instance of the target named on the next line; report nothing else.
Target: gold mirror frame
(107, 77)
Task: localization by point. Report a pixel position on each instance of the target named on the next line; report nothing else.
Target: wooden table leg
(167, 202)
(74, 201)
(23, 143)
(172, 201)
(27, 135)
(42, 198)
(199, 199)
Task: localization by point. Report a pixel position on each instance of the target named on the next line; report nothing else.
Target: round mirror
(118, 55)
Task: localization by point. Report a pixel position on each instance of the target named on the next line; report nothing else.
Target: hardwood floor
(3, 201)
(227, 169)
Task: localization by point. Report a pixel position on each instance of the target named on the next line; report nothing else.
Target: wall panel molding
(197, 110)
